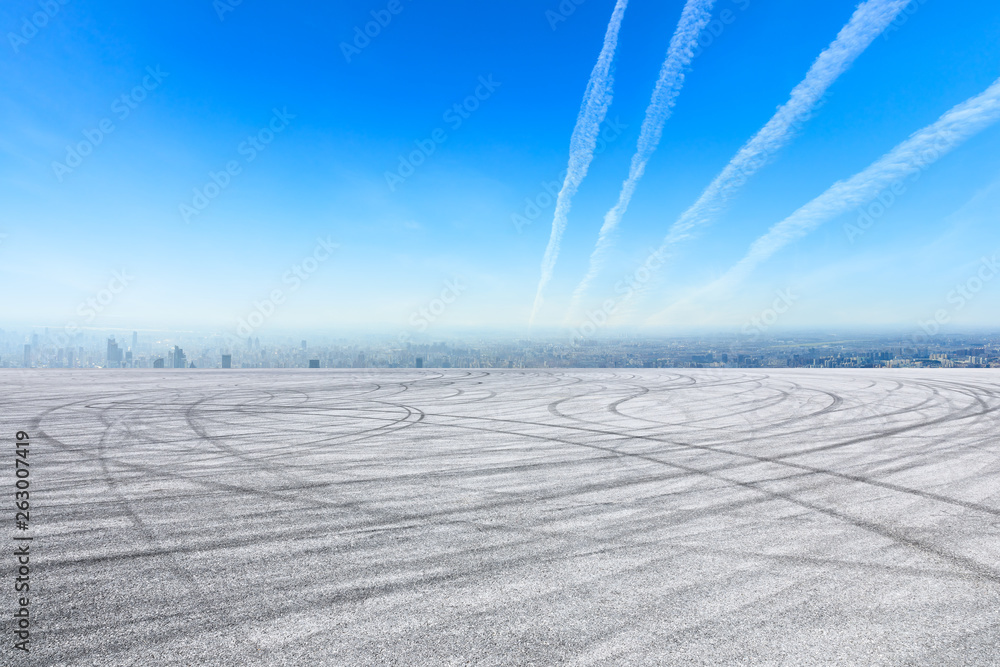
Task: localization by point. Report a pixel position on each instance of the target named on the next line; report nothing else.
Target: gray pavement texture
(591, 517)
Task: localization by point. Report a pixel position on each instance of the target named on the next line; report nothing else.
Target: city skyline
(749, 349)
(403, 182)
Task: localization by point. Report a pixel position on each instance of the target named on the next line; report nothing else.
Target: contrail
(909, 158)
(868, 21)
(595, 105)
(695, 16)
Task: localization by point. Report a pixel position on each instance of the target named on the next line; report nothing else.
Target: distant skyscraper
(177, 358)
(27, 356)
(135, 342)
(313, 363)
(420, 362)
(114, 357)
(69, 357)
(158, 363)
(227, 361)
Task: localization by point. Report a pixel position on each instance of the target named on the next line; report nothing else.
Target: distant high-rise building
(27, 356)
(158, 363)
(69, 357)
(227, 361)
(313, 363)
(114, 357)
(135, 341)
(177, 358)
(420, 362)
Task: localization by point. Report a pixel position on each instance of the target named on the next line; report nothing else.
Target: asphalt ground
(453, 517)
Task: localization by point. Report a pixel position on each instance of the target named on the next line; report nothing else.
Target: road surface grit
(582, 517)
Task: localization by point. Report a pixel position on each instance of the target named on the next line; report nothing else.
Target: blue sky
(345, 125)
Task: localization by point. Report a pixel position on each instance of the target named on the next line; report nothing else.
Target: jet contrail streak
(868, 21)
(907, 159)
(595, 105)
(693, 19)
